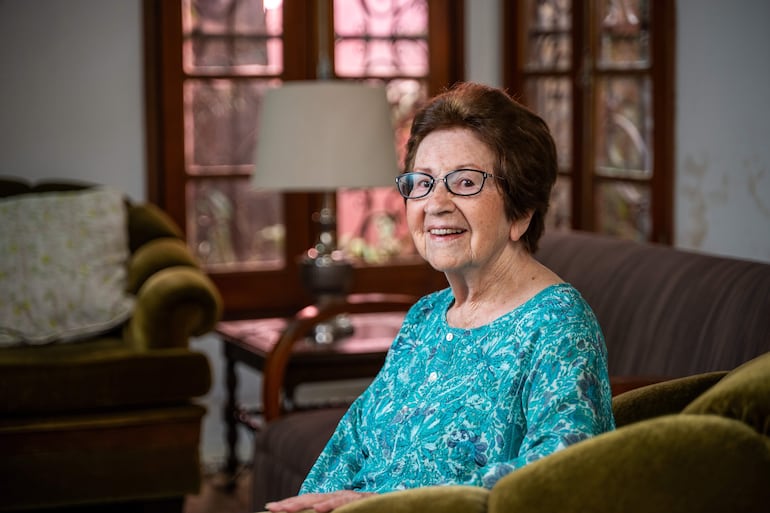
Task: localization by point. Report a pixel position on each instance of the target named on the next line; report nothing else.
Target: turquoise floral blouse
(468, 406)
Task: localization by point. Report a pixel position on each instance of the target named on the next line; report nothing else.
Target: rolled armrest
(173, 305)
(156, 255)
(147, 222)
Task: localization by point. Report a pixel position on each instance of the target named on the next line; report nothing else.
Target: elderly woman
(505, 366)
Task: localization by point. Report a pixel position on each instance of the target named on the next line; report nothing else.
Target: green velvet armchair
(109, 420)
(699, 443)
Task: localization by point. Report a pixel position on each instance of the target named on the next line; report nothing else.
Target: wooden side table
(254, 343)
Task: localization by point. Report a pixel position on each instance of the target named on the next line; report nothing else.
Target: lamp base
(328, 332)
(328, 277)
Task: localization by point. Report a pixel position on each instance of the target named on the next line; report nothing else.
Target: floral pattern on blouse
(468, 406)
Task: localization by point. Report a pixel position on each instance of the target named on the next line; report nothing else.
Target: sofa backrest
(666, 312)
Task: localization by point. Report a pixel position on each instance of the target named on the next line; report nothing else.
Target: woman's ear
(519, 226)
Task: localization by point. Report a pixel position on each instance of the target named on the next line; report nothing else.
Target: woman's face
(457, 234)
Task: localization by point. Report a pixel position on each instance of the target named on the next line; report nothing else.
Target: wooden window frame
(663, 44)
(278, 292)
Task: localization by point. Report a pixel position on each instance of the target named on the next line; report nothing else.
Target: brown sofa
(109, 422)
(666, 313)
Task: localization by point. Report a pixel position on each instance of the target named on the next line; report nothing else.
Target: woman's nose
(439, 199)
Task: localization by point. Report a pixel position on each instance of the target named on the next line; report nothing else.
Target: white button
(449, 337)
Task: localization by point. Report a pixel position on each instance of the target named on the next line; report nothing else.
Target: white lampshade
(324, 135)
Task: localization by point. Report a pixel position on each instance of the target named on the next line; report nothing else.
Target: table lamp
(320, 136)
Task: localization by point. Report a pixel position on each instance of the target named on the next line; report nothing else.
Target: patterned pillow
(62, 266)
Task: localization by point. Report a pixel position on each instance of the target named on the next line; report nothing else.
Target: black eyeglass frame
(434, 180)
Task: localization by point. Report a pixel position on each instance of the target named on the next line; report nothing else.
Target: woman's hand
(320, 502)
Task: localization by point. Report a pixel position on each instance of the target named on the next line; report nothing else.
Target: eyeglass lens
(462, 182)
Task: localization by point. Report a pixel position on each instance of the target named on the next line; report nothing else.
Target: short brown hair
(521, 141)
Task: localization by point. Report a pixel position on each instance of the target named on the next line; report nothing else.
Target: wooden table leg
(231, 422)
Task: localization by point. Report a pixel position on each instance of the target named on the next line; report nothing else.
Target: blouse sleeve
(342, 457)
(566, 399)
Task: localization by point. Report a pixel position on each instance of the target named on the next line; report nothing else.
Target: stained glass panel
(378, 18)
(551, 98)
(623, 210)
(381, 38)
(232, 36)
(381, 57)
(547, 43)
(624, 33)
(623, 127)
(234, 227)
(372, 225)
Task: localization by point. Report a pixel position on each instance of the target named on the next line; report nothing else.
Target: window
(208, 65)
(600, 72)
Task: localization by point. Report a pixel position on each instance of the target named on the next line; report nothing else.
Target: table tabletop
(357, 355)
(373, 333)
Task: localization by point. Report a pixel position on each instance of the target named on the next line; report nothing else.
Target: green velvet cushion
(96, 374)
(743, 394)
(446, 499)
(676, 463)
(661, 398)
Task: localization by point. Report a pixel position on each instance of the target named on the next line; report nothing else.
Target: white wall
(483, 32)
(723, 127)
(71, 91)
(71, 105)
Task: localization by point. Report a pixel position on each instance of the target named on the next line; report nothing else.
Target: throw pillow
(63, 265)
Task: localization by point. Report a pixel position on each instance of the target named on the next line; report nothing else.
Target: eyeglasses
(462, 182)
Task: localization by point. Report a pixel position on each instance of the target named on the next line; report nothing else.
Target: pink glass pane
(380, 39)
(233, 227)
(231, 36)
(371, 223)
(385, 58)
(624, 33)
(547, 43)
(361, 18)
(623, 210)
(551, 98)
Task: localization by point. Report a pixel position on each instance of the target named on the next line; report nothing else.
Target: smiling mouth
(446, 231)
